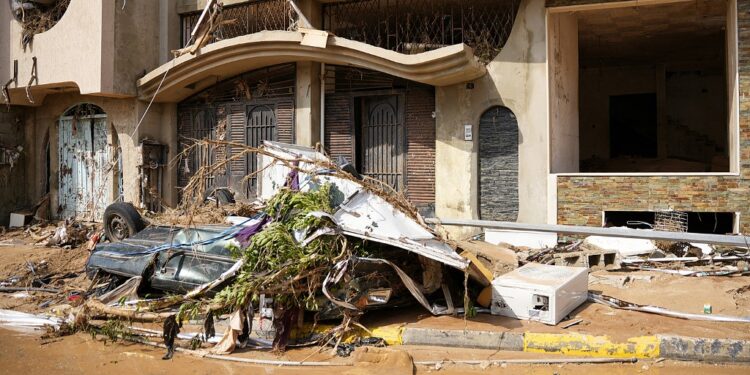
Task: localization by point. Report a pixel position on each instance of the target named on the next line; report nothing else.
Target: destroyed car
(159, 255)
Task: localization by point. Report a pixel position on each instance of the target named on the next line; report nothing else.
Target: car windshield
(192, 235)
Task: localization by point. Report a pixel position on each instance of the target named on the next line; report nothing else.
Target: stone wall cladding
(581, 199)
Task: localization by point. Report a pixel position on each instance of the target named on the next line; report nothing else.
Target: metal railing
(244, 19)
(414, 26)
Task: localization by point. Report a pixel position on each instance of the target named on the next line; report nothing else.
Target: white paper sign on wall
(468, 132)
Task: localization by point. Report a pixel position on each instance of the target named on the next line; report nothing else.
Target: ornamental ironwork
(414, 26)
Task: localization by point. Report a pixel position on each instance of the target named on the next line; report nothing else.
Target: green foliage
(275, 261)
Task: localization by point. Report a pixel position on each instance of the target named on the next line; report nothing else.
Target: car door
(182, 269)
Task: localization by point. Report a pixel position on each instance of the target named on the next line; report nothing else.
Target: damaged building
(578, 112)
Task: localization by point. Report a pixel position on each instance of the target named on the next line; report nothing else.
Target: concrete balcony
(96, 48)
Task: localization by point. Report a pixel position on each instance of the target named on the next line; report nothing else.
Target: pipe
(322, 85)
(717, 239)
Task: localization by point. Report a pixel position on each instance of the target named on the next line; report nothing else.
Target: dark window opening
(632, 125)
(693, 222)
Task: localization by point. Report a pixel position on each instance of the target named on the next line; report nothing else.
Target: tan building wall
(516, 79)
(96, 47)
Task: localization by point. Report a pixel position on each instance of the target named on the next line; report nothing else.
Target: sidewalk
(604, 332)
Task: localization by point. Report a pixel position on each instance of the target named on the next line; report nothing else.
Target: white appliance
(540, 292)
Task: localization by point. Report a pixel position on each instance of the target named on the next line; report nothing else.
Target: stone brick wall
(581, 199)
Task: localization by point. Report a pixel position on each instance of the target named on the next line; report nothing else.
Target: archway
(498, 165)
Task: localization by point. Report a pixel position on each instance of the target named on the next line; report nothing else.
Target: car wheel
(121, 220)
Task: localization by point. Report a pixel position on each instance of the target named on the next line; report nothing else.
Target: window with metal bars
(244, 19)
(414, 26)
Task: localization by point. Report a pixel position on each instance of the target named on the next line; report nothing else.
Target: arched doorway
(498, 165)
(84, 182)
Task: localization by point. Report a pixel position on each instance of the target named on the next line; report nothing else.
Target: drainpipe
(322, 105)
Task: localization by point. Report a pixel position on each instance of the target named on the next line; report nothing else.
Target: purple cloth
(293, 178)
(245, 235)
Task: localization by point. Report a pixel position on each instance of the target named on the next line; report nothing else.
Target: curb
(575, 344)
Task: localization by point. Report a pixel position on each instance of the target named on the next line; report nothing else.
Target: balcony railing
(246, 18)
(414, 26)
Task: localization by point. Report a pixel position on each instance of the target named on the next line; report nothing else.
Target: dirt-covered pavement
(80, 354)
(62, 269)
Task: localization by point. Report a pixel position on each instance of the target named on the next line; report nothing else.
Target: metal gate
(383, 140)
(498, 165)
(85, 184)
(261, 126)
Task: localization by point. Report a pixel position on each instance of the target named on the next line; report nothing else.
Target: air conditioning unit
(540, 292)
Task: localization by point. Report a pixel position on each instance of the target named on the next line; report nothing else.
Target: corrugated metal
(420, 137)
(231, 101)
(339, 124)
(85, 184)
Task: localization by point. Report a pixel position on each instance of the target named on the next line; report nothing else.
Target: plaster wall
(516, 79)
(78, 50)
(97, 48)
(563, 86)
(307, 106)
(136, 43)
(41, 124)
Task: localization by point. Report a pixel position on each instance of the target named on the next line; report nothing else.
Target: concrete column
(169, 29)
(307, 108)
(563, 102)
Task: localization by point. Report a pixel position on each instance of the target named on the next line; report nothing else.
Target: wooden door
(85, 186)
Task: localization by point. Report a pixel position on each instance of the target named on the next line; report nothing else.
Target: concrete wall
(136, 43)
(98, 48)
(41, 123)
(12, 178)
(517, 79)
(563, 92)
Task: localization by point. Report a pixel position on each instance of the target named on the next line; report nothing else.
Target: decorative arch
(498, 165)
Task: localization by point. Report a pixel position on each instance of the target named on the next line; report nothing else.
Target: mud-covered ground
(82, 354)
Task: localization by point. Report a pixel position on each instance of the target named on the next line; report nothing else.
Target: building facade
(588, 112)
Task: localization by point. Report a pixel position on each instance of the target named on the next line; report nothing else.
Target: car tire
(121, 220)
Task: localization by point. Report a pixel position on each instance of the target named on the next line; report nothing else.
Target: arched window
(498, 165)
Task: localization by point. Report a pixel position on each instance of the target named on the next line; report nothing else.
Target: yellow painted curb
(591, 346)
(391, 334)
